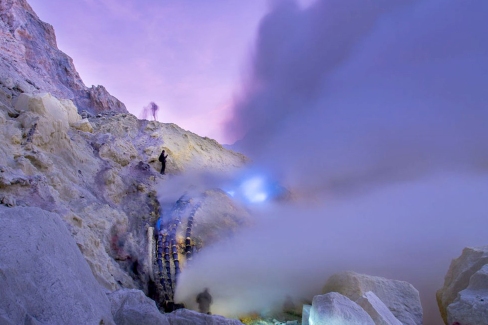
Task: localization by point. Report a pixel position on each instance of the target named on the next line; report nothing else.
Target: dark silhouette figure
(162, 159)
(154, 108)
(204, 300)
(151, 109)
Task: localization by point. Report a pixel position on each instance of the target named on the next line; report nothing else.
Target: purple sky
(187, 56)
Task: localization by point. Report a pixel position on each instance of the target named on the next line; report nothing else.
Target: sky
(372, 113)
(186, 56)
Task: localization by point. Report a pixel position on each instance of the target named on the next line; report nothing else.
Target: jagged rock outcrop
(464, 296)
(30, 62)
(43, 276)
(401, 298)
(334, 308)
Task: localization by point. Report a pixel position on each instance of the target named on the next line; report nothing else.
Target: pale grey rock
(401, 298)
(43, 276)
(378, 311)
(186, 316)
(132, 307)
(471, 304)
(459, 275)
(306, 314)
(336, 309)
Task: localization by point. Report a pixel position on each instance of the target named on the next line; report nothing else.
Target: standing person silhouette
(204, 300)
(162, 159)
(154, 109)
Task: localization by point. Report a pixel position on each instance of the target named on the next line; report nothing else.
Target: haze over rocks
(81, 188)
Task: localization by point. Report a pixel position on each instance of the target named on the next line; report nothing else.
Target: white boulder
(459, 275)
(471, 304)
(45, 105)
(306, 314)
(336, 309)
(378, 311)
(401, 298)
(71, 111)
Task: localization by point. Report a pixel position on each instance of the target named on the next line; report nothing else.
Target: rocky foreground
(80, 193)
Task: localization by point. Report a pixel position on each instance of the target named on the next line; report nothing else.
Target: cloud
(345, 93)
(378, 110)
(408, 232)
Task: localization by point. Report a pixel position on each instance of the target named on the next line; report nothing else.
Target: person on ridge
(204, 300)
(154, 109)
(162, 159)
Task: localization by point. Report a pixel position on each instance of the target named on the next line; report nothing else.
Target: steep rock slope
(99, 172)
(103, 183)
(31, 62)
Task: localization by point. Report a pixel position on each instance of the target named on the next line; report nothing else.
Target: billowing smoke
(407, 231)
(349, 93)
(378, 109)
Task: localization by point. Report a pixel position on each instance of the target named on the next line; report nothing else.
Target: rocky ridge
(30, 62)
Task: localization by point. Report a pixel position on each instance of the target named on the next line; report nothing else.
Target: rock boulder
(132, 307)
(334, 308)
(471, 305)
(401, 298)
(464, 297)
(378, 311)
(43, 276)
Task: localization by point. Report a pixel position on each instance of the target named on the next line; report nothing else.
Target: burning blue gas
(255, 189)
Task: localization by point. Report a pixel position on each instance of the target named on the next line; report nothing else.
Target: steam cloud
(378, 109)
(352, 92)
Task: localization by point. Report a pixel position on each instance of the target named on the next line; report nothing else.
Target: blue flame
(254, 189)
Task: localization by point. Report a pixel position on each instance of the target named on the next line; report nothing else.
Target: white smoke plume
(378, 109)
